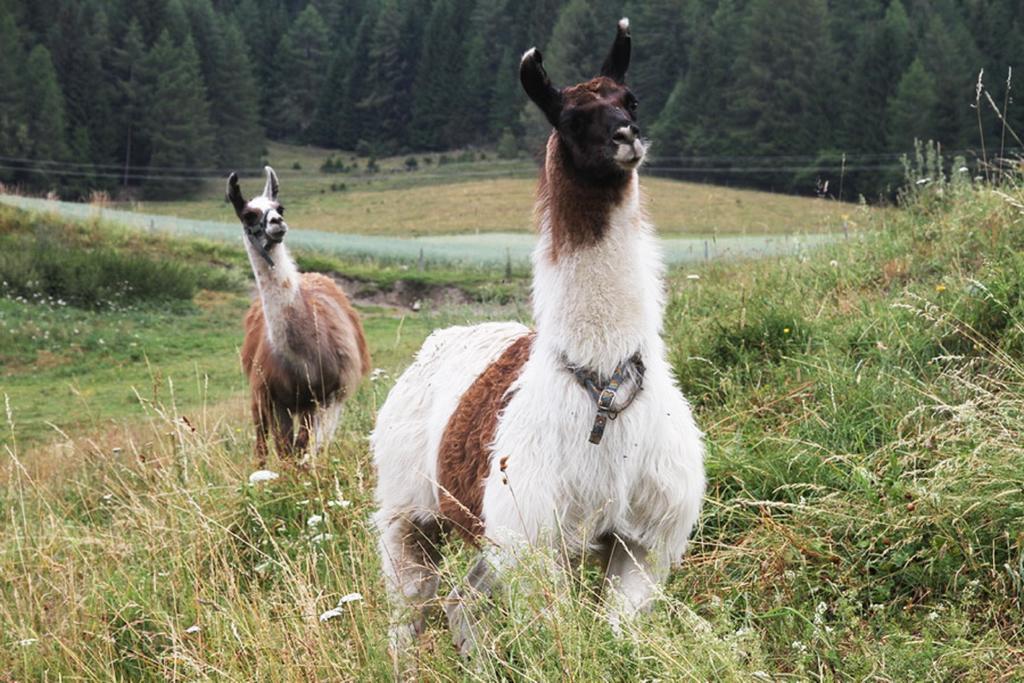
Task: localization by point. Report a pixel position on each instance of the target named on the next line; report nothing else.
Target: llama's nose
(276, 230)
(626, 135)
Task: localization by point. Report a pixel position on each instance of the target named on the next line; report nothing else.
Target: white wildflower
(338, 503)
(337, 611)
(378, 373)
(193, 629)
(320, 538)
(693, 276)
(834, 263)
(260, 476)
(25, 642)
(314, 520)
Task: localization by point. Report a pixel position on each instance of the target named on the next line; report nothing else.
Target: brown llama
(304, 351)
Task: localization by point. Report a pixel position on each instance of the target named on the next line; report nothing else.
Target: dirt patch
(410, 294)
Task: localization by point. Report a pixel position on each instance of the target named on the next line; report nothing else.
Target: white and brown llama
(573, 436)
(304, 351)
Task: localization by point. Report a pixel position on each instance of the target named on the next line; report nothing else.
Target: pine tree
(234, 107)
(484, 80)
(254, 17)
(506, 97)
(389, 76)
(693, 121)
(353, 126)
(659, 56)
(43, 111)
(580, 41)
(778, 104)
(11, 65)
(79, 39)
(128, 66)
(436, 84)
(299, 72)
(333, 99)
(911, 110)
(882, 58)
(949, 54)
(178, 119)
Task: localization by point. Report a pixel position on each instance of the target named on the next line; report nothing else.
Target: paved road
(484, 249)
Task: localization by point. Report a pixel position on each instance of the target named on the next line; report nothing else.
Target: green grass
(488, 195)
(864, 517)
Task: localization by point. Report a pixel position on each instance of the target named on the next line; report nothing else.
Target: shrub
(38, 267)
(508, 147)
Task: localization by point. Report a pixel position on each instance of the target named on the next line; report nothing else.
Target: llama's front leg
(632, 580)
(302, 439)
(262, 423)
(409, 557)
(464, 600)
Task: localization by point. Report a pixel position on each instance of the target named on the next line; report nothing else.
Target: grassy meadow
(864, 519)
(476, 192)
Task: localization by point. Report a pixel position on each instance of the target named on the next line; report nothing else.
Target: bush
(37, 267)
(508, 147)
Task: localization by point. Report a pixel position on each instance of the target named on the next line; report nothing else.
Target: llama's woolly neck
(596, 302)
(278, 289)
(577, 209)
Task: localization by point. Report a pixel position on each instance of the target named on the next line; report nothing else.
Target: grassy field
(864, 518)
(486, 195)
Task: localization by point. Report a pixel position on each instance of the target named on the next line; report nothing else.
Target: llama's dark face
(596, 120)
(262, 216)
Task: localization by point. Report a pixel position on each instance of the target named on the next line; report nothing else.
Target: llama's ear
(617, 63)
(271, 188)
(538, 86)
(234, 194)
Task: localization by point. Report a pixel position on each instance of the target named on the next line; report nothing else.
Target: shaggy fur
(304, 351)
(465, 457)
(326, 357)
(579, 216)
(598, 298)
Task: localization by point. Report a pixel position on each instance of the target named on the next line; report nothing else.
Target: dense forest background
(136, 96)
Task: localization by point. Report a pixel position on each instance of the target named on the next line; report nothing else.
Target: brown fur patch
(464, 457)
(328, 358)
(579, 210)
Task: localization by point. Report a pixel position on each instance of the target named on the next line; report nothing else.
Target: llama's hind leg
(468, 598)
(409, 556)
(633, 576)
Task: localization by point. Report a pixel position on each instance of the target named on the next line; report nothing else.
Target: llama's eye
(280, 210)
(633, 104)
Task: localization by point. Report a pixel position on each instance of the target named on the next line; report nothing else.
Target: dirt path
(484, 249)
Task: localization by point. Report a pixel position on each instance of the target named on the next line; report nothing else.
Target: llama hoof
(402, 640)
(463, 630)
